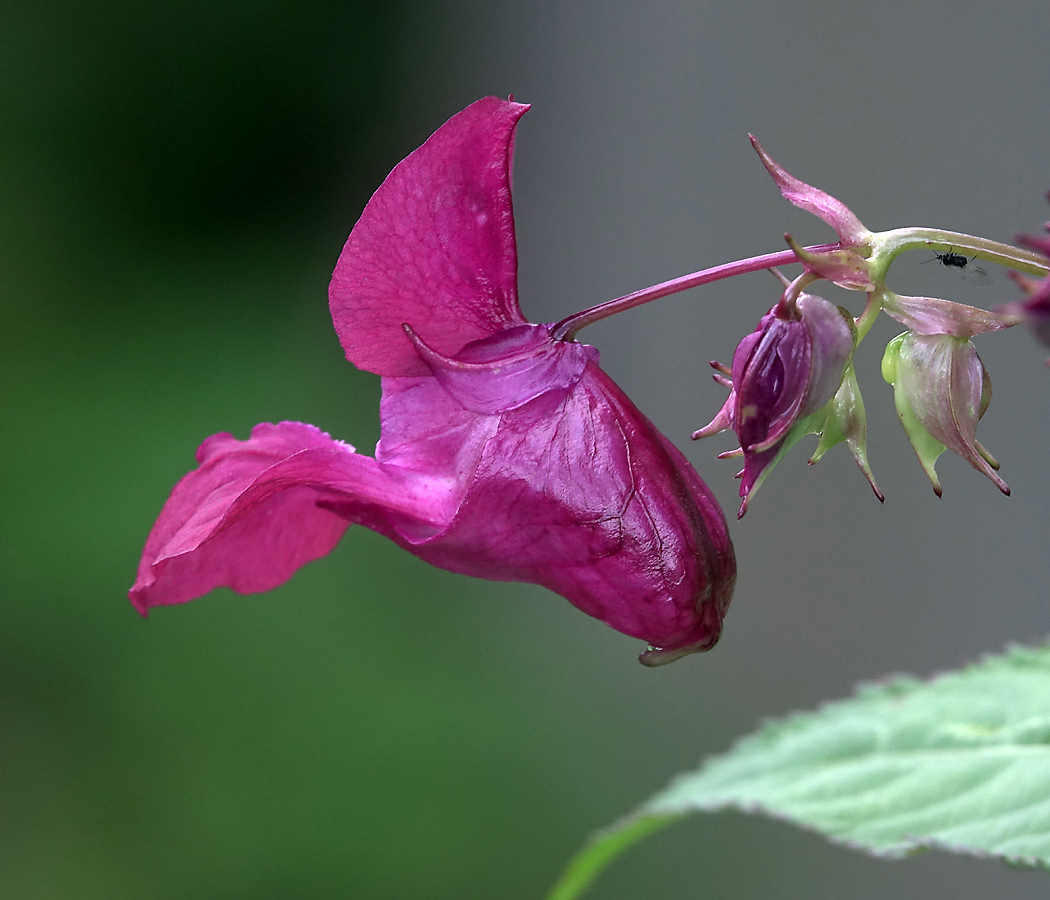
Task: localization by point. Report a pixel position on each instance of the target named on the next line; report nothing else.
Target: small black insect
(952, 259)
(973, 274)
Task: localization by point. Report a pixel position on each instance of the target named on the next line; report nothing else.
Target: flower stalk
(569, 327)
(890, 245)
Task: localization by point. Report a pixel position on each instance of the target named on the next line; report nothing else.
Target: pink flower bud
(1034, 310)
(941, 390)
(787, 369)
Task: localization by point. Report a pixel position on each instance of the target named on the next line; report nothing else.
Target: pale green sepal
(959, 763)
(927, 448)
(891, 357)
(841, 419)
(845, 420)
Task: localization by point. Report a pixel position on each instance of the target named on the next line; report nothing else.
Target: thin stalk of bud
(787, 307)
(568, 328)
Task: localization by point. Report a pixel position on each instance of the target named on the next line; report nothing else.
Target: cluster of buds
(794, 375)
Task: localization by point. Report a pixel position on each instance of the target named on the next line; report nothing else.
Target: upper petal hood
(434, 247)
(509, 369)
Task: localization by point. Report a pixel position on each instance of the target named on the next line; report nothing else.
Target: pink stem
(568, 328)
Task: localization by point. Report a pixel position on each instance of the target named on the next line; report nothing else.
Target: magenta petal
(574, 490)
(1034, 310)
(771, 383)
(504, 454)
(434, 248)
(248, 517)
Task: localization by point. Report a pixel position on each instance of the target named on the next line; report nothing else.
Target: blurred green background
(176, 182)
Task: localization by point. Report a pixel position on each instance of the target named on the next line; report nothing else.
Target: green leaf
(959, 763)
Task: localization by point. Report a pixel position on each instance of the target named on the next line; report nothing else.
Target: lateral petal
(252, 513)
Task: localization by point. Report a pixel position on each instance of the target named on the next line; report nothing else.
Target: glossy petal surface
(770, 379)
(578, 492)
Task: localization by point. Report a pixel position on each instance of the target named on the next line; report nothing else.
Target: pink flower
(505, 454)
(1034, 310)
